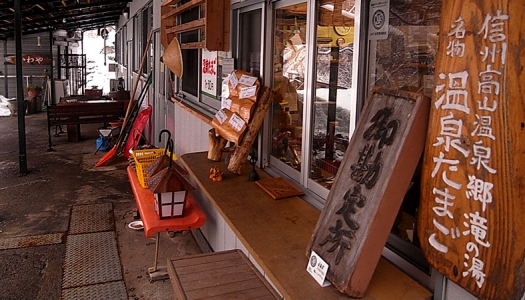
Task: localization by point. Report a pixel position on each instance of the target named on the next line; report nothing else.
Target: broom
(113, 152)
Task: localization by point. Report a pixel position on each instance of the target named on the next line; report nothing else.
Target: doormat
(279, 188)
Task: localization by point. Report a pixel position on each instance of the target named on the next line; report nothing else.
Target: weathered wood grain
(471, 215)
(369, 187)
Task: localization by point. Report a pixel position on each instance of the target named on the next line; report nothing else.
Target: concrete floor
(39, 203)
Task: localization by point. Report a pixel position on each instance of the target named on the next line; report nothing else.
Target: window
(289, 76)
(333, 121)
(161, 89)
(405, 61)
(120, 46)
(143, 23)
(124, 45)
(313, 116)
(190, 87)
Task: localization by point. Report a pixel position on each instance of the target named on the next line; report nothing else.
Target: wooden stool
(218, 275)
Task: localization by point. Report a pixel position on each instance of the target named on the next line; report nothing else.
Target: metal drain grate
(111, 290)
(91, 218)
(91, 258)
(31, 241)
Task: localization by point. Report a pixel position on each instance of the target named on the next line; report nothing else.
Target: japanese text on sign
(474, 185)
(209, 73)
(365, 171)
(237, 122)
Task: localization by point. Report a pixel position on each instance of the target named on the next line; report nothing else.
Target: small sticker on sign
(226, 103)
(318, 268)
(237, 122)
(221, 116)
(247, 80)
(233, 80)
(248, 92)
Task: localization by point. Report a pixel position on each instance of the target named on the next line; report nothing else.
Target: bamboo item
(172, 57)
(113, 152)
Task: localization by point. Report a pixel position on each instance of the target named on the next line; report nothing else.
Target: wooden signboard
(29, 59)
(369, 187)
(213, 26)
(471, 223)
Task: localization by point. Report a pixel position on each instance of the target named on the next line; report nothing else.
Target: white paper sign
(226, 103)
(247, 80)
(221, 116)
(209, 73)
(318, 268)
(237, 122)
(233, 80)
(248, 92)
(225, 88)
(379, 14)
(227, 66)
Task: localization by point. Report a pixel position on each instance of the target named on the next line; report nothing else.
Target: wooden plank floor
(218, 275)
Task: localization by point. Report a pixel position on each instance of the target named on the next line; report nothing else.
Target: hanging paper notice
(248, 92)
(221, 116)
(227, 66)
(209, 73)
(234, 81)
(226, 103)
(379, 14)
(237, 122)
(247, 80)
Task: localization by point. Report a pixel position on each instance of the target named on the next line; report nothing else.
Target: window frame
(143, 23)
(199, 102)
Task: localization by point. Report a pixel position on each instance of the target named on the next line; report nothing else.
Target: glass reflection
(288, 78)
(333, 101)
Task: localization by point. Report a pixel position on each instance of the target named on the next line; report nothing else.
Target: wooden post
(216, 147)
(473, 178)
(243, 149)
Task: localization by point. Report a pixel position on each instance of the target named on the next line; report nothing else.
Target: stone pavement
(37, 244)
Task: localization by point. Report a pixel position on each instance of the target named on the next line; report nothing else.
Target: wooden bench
(218, 275)
(82, 112)
(275, 234)
(193, 218)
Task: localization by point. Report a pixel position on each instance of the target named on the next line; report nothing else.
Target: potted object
(32, 90)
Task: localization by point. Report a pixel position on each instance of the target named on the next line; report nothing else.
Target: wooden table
(193, 218)
(77, 112)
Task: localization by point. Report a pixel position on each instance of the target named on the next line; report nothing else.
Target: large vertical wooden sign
(369, 187)
(472, 213)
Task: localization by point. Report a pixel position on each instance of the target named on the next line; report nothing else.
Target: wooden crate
(214, 25)
(218, 275)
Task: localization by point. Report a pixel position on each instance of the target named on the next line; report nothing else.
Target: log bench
(82, 112)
